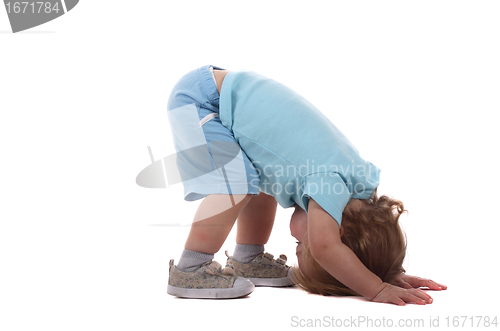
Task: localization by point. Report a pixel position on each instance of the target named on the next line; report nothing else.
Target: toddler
(246, 143)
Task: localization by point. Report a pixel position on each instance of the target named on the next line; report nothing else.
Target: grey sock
(246, 253)
(192, 261)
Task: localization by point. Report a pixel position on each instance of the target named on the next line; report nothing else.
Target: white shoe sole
(241, 287)
(274, 282)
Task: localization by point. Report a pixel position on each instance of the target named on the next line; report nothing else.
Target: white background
(413, 84)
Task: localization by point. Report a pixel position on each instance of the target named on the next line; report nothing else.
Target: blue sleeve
(329, 191)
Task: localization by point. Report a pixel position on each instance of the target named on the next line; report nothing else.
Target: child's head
(370, 229)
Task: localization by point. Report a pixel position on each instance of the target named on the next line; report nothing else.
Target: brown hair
(371, 230)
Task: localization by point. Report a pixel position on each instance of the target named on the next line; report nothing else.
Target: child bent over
(246, 143)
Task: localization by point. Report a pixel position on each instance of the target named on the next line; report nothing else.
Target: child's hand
(400, 296)
(406, 281)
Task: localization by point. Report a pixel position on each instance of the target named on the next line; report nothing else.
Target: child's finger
(431, 285)
(402, 283)
(398, 301)
(422, 295)
(443, 287)
(415, 298)
(405, 285)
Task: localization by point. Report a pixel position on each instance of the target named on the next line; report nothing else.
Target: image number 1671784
(24, 15)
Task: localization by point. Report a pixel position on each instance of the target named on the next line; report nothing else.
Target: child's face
(298, 229)
(298, 223)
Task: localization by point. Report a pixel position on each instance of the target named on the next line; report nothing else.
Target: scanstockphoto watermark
(222, 163)
(363, 321)
(226, 160)
(355, 322)
(207, 162)
(329, 178)
(223, 168)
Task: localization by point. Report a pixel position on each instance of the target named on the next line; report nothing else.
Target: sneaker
(263, 270)
(210, 281)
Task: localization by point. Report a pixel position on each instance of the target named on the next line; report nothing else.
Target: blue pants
(209, 160)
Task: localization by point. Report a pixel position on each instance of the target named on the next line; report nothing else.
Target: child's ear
(341, 231)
